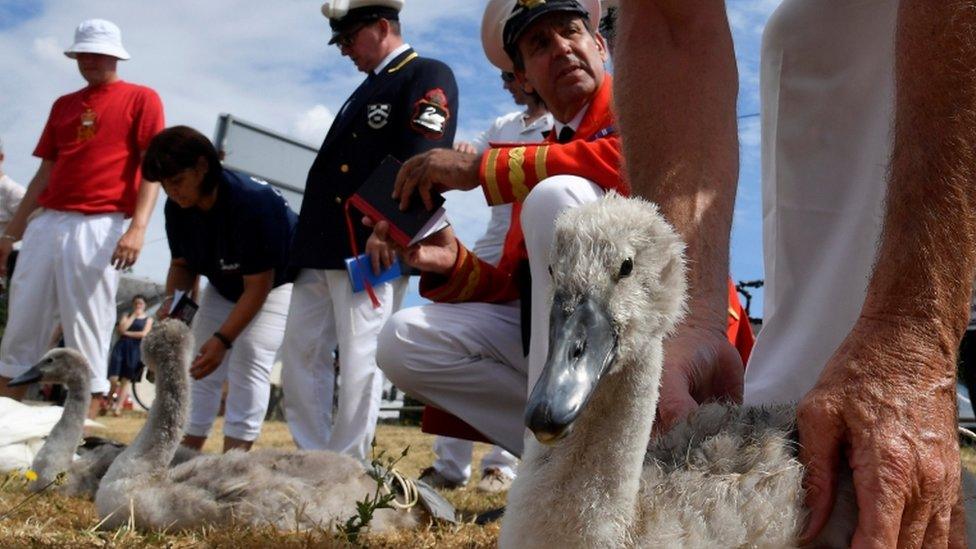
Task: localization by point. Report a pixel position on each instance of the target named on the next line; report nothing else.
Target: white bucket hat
(98, 36)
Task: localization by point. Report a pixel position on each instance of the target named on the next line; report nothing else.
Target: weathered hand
(465, 147)
(208, 359)
(127, 250)
(381, 250)
(886, 401)
(437, 253)
(700, 365)
(436, 170)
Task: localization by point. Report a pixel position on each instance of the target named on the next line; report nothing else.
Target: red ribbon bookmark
(355, 253)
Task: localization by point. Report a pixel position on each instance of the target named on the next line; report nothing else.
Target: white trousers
(246, 366)
(324, 314)
(454, 459)
(64, 272)
(467, 358)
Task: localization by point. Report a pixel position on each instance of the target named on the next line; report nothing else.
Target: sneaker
(493, 480)
(436, 480)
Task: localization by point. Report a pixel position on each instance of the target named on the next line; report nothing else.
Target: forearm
(925, 264)
(256, 290)
(180, 277)
(18, 224)
(145, 202)
(676, 86)
(146, 328)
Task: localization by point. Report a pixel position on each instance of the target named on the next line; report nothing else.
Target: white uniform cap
(499, 12)
(337, 9)
(98, 36)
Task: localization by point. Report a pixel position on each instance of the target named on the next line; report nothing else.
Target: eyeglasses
(347, 39)
(508, 77)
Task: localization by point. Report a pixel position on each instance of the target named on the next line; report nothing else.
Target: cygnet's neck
(600, 463)
(59, 447)
(156, 444)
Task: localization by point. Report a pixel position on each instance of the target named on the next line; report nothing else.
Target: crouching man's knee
(546, 201)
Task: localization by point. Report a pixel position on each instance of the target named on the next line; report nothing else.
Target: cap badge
(530, 4)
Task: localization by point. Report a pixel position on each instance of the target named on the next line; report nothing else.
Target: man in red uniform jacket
(467, 353)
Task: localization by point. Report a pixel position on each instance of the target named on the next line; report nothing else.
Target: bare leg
(193, 442)
(122, 392)
(16, 393)
(231, 443)
(113, 392)
(97, 402)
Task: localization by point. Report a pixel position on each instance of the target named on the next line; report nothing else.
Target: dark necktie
(566, 134)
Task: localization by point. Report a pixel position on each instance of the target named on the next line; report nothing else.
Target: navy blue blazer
(409, 108)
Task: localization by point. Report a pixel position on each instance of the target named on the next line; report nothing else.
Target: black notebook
(184, 308)
(374, 199)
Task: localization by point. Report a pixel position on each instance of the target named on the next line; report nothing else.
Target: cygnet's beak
(582, 344)
(30, 376)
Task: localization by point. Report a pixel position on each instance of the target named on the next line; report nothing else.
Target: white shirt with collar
(379, 68)
(389, 58)
(574, 124)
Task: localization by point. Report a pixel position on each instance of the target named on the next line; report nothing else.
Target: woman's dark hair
(176, 149)
(140, 296)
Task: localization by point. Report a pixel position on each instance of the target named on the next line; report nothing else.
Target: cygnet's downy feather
(289, 490)
(728, 476)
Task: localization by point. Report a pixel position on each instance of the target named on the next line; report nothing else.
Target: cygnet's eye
(626, 267)
(50, 360)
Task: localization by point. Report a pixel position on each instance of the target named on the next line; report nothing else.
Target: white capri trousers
(467, 358)
(324, 314)
(64, 272)
(246, 367)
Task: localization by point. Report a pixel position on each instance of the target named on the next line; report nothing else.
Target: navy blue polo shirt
(247, 231)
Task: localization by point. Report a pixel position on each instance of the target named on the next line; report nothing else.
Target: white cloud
(313, 124)
(268, 62)
(47, 48)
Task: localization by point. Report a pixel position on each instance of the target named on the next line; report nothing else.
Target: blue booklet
(364, 267)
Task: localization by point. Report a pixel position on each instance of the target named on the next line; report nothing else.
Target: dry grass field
(50, 520)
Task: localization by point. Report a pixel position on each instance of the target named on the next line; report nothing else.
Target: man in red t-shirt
(72, 219)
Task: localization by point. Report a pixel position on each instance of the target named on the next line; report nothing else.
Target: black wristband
(223, 339)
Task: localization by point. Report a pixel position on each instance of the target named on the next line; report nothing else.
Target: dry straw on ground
(52, 520)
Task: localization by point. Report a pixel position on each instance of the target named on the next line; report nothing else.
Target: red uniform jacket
(507, 175)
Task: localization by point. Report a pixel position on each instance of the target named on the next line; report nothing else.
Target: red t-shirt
(96, 137)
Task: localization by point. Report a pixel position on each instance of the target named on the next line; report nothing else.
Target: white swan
(290, 490)
(83, 473)
(23, 429)
(727, 477)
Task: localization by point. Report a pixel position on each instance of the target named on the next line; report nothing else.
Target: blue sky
(269, 62)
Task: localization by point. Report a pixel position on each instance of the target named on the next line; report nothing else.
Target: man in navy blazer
(407, 105)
